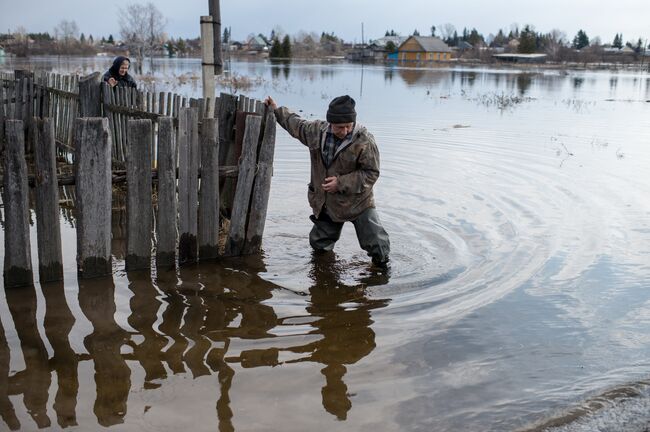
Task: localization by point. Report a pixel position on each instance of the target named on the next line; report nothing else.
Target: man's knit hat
(341, 110)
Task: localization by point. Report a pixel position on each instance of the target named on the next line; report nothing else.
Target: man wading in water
(344, 168)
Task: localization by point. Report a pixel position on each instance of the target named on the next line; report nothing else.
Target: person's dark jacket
(114, 72)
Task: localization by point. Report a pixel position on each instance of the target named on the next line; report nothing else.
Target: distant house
(521, 58)
(383, 41)
(464, 45)
(423, 49)
(256, 43)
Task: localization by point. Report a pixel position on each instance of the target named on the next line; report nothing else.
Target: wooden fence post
(227, 118)
(188, 185)
(139, 212)
(90, 96)
(167, 200)
(50, 257)
(262, 188)
(209, 197)
(93, 187)
(246, 175)
(18, 262)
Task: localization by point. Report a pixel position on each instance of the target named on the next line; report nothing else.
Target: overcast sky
(344, 17)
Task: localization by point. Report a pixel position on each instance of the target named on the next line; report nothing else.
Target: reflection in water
(34, 381)
(523, 83)
(7, 411)
(346, 333)
(180, 322)
(577, 82)
(58, 323)
(280, 66)
(112, 375)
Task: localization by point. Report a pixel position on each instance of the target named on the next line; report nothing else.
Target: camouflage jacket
(355, 164)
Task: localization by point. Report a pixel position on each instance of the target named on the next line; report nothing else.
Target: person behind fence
(344, 169)
(118, 74)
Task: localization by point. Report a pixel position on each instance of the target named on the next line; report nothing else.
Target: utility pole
(211, 63)
(215, 13)
(207, 62)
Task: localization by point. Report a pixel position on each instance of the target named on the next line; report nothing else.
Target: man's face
(340, 130)
(124, 67)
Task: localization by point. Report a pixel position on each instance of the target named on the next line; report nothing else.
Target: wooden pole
(50, 257)
(139, 211)
(209, 197)
(167, 200)
(93, 188)
(237, 234)
(188, 185)
(214, 8)
(18, 262)
(207, 55)
(262, 188)
(90, 96)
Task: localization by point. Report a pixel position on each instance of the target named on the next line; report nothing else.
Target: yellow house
(423, 49)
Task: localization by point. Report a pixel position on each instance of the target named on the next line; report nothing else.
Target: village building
(520, 58)
(256, 44)
(423, 49)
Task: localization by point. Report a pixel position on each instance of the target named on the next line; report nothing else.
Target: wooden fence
(205, 170)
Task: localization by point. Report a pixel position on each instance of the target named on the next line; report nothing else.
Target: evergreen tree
(276, 49)
(581, 40)
(286, 46)
(390, 47)
(181, 46)
(103, 41)
(110, 40)
(226, 35)
(499, 40)
(639, 46)
(455, 40)
(527, 41)
(475, 38)
(416, 32)
(82, 38)
(433, 31)
(91, 40)
(618, 41)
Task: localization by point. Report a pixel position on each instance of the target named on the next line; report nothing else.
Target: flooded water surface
(518, 295)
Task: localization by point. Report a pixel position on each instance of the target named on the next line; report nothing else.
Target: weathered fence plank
(227, 151)
(167, 200)
(209, 197)
(188, 188)
(90, 96)
(262, 187)
(237, 234)
(50, 257)
(93, 188)
(139, 211)
(18, 262)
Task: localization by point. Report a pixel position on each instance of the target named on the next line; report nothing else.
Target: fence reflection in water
(178, 323)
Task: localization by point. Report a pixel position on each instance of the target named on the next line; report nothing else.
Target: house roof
(382, 41)
(256, 40)
(429, 44)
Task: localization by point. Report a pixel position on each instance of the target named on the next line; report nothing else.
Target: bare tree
(447, 31)
(142, 29)
(66, 31)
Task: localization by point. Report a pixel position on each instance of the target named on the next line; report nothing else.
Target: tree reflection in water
(178, 322)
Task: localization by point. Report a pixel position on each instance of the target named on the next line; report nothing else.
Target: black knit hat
(341, 110)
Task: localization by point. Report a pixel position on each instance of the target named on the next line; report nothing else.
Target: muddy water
(517, 298)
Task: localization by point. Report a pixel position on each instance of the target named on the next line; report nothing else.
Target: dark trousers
(372, 236)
